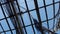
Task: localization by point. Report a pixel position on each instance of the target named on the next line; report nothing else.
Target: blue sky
(33, 13)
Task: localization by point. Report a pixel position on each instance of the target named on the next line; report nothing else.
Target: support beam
(38, 15)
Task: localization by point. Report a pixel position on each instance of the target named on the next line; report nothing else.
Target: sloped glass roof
(47, 10)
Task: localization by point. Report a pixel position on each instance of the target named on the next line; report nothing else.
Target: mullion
(38, 15)
(59, 4)
(12, 18)
(2, 28)
(6, 19)
(46, 14)
(39, 7)
(29, 16)
(42, 21)
(17, 19)
(53, 14)
(9, 13)
(59, 7)
(15, 0)
(10, 1)
(14, 29)
(34, 9)
(58, 10)
(6, 31)
(21, 16)
(19, 9)
(23, 24)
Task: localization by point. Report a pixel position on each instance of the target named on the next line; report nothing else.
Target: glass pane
(56, 8)
(10, 23)
(2, 33)
(1, 29)
(30, 4)
(4, 24)
(48, 2)
(40, 3)
(8, 32)
(51, 24)
(50, 11)
(57, 0)
(36, 31)
(33, 15)
(29, 30)
(14, 31)
(5, 10)
(1, 14)
(22, 5)
(26, 19)
(44, 24)
(42, 14)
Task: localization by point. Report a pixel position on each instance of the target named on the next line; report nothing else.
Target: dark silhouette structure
(43, 28)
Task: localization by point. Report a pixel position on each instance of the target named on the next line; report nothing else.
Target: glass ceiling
(48, 12)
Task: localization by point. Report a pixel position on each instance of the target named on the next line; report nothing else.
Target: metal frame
(28, 11)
